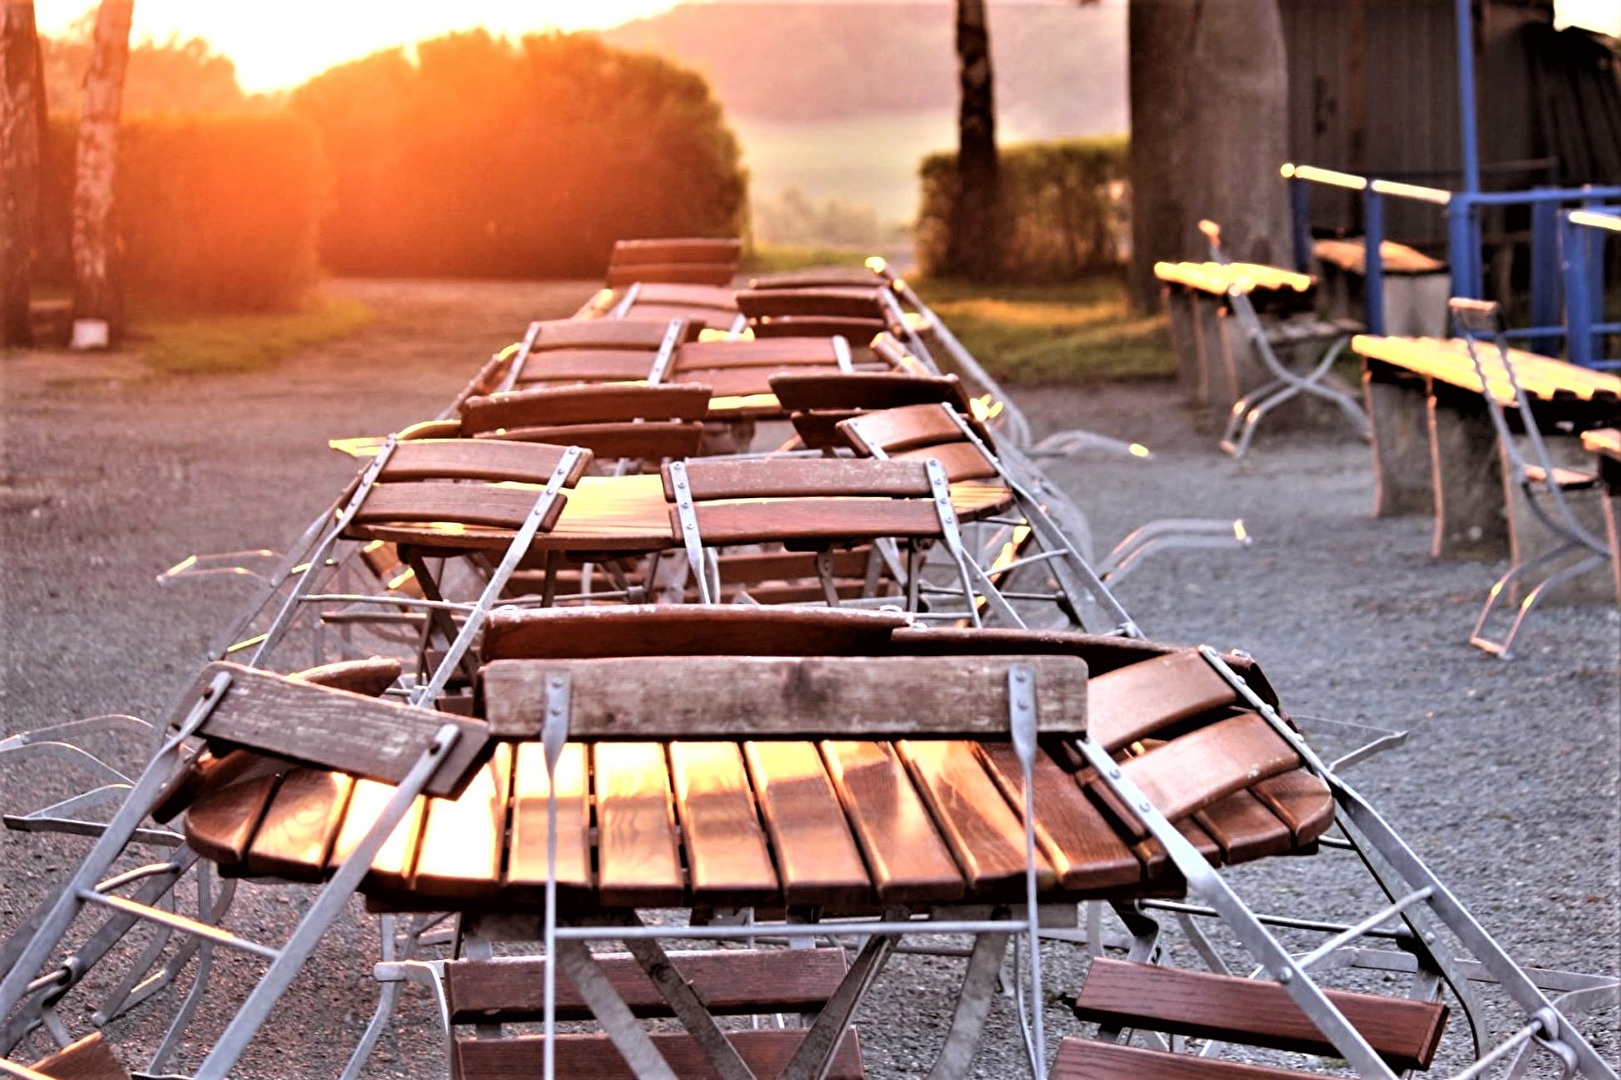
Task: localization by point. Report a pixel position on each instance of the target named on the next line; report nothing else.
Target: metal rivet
(1285, 974)
(1145, 806)
(1114, 774)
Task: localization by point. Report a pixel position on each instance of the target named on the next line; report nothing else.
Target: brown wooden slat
(679, 630)
(727, 860)
(1245, 828)
(1253, 1012)
(1198, 768)
(765, 1051)
(1089, 1059)
(730, 982)
(867, 390)
(690, 273)
(526, 861)
(816, 855)
(783, 697)
(737, 382)
(589, 404)
(477, 504)
(392, 865)
(832, 301)
(1102, 652)
(811, 520)
(677, 294)
(636, 333)
(655, 439)
(586, 365)
(220, 824)
(677, 249)
(890, 431)
(1133, 702)
(758, 478)
(905, 855)
(984, 834)
(460, 846)
(461, 459)
(88, 1058)
(334, 729)
(785, 353)
(1301, 801)
(369, 677)
(756, 566)
(300, 825)
(961, 460)
(1083, 847)
(638, 860)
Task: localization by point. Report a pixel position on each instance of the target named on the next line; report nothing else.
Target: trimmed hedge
(215, 213)
(491, 158)
(1066, 201)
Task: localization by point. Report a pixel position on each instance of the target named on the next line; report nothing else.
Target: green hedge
(1065, 201)
(214, 213)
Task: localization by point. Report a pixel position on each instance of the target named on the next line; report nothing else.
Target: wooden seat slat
(391, 867)
(1216, 278)
(586, 366)
(677, 249)
(814, 520)
(453, 504)
(984, 834)
(300, 825)
(633, 333)
(462, 840)
(797, 326)
(1090, 1059)
(750, 567)
(817, 858)
(795, 477)
(1157, 865)
(905, 855)
(1301, 801)
(1253, 1012)
(655, 439)
(866, 390)
(87, 1058)
(679, 294)
(833, 301)
(687, 273)
(510, 989)
(1196, 769)
(1085, 851)
(961, 460)
(765, 1051)
(788, 354)
(221, 826)
(526, 862)
(676, 630)
(1134, 702)
(727, 860)
(639, 856)
(891, 431)
(759, 697)
(1245, 827)
(461, 459)
(729, 384)
(598, 403)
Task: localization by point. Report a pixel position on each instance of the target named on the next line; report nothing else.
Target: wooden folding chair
(594, 350)
(684, 260)
(1527, 466)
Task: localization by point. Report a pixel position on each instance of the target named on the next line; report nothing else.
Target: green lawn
(178, 345)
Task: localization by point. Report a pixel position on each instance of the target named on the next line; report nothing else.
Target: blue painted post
(1578, 310)
(1373, 267)
(1545, 273)
(1464, 23)
(1300, 216)
(1463, 254)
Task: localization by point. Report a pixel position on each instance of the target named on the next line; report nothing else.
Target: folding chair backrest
(919, 432)
(818, 402)
(1480, 324)
(691, 260)
(740, 367)
(613, 420)
(598, 350)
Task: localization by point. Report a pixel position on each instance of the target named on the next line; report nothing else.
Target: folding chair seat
(683, 260)
(1547, 488)
(1284, 382)
(613, 420)
(588, 350)
(855, 312)
(818, 401)
(713, 307)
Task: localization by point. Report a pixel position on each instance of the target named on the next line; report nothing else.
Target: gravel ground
(1508, 785)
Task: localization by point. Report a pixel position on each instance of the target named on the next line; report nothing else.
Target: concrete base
(1466, 476)
(1399, 414)
(1530, 537)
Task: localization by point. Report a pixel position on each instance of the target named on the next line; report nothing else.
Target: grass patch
(784, 258)
(1028, 334)
(235, 344)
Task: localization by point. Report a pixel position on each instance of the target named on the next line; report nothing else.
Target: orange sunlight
(278, 46)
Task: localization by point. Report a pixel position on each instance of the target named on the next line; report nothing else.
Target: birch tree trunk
(96, 298)
(22, 126)
(975, 246)
(1209, 128)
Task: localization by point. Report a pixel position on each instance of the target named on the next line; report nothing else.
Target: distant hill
(843, 98)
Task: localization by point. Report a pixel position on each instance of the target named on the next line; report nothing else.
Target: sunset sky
(279, 45)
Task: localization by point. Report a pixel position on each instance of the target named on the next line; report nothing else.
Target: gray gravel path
(1510, 784)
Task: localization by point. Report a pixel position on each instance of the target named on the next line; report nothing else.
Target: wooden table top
(1216, 278)
(1447, 359)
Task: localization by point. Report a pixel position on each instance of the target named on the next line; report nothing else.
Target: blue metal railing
(1582, 234)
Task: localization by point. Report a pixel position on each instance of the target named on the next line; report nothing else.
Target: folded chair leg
(1503, 649)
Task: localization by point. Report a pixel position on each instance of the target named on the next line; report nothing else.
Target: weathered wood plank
(765, 1051)
(771, 697)
(456, 504)
(459, 849)
(761, 478)
(300, 825)
(461, 459)
(816, 855)
(1133, 702)
(526, 863)
(986, 837)
(391, 867)
(905, 856)
(639, 861)
(727, 860)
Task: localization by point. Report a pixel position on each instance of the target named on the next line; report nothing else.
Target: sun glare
(278, 46)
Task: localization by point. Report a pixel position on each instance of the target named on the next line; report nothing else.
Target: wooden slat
(961, 460)
(756, 566)
(835, 301)
(866, 390)
(642, 334)
(586, 365)
(589, 404)
(504, 508)
(727, 860)
(1195, 770)
(392, 865)
(1133, 702)
(638, 861)
(892, 430)
(683, 630)
(765, 1051)
(88, 1058)
(460, 847)
(757, 478)
(783, 697)
(730, 982)
(655, 439)
(816, 855)
(676, 249)
(1253, 1012)
(1083, 847)
(692, 273)
(335, 729)
(220, 824)
(460, 459)
(369, 677)
(300, 825)
(1301, 801)
(985, 836)
(853, 328)
(1089, 1059)
(812, 520)
(526, 861)
(905, 855)
(785, 353)
(1245, 828)
(1102, 652)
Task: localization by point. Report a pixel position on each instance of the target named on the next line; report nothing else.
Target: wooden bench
(1435, 450)
(1414, 296)
(1118, 994)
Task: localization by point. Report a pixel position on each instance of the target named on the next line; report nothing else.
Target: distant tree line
(488, 157)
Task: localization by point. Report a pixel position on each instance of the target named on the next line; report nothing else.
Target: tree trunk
(96, 297)
(22, 112)
(1209, 128)
(975, 246)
